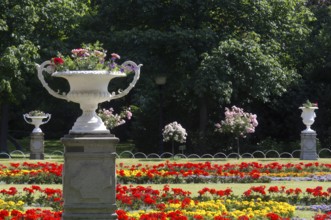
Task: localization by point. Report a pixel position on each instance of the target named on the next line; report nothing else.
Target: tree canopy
(29, 29)
(261, 55)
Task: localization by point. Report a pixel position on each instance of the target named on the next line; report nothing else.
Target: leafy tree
(258, 55)
(25, 27)
(168, 38)
(251, 51)
(315, 67)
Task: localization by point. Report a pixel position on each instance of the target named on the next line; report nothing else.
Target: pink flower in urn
(128, 114)
(80, 52)
(115, 56)
(89, 57)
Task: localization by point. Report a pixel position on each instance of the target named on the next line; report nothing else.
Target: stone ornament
(88, 88)
(37, 121)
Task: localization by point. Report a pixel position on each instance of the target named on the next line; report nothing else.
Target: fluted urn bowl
(37, 121)
(308, 118)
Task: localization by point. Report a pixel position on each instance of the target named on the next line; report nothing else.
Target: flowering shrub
(174, 132)
(112, 120)
(89, 57)
(237, 122)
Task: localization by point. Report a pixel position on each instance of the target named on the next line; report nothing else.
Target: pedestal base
(89, 177)
(37, 146)
(308, 146)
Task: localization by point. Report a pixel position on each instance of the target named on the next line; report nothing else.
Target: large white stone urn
(37, 121)
(308, 118)
(89, 88)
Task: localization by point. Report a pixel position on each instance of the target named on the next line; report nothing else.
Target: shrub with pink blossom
(113, 120)
(237, 122)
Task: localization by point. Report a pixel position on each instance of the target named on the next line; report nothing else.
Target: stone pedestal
(89, 177)
(308, 146)
(37, 146)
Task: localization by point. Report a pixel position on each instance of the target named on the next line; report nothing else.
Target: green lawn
(53, 146)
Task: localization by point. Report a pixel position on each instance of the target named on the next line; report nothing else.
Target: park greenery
(267, 57)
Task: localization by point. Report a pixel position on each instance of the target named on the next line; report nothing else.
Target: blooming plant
(36, 113)
(237, 122)
(174, 132)
(112, 120)
(88, 57)
(308, 104)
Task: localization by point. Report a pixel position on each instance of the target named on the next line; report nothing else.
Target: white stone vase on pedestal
(308, 118)
(89, 88)
(89, 173)
(37, 121)
(308, 136)
(37, 136)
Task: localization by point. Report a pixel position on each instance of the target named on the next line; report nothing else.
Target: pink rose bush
(113, 120)
(237, 122)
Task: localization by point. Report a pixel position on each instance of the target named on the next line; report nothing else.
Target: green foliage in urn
(308, 104)
(36, 113)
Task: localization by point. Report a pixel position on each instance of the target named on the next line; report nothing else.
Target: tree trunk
(4, 127)
(203, 119)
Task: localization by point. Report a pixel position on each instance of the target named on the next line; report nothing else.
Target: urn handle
(48, 116)
(26, 116)
(49, 68)
(128, 65)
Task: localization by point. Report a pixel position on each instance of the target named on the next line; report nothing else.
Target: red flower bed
(133, 198)
(169, 172)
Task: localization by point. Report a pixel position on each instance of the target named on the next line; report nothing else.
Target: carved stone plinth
(308, 146)
(89, 177)
(37, 146)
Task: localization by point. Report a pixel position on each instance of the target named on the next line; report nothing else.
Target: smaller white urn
(37, 121)
(308, 118)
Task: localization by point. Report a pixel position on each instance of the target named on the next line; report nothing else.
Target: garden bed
(197, 190)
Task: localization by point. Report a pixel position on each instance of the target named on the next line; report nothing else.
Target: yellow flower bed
(295, 174)
(134, 173)
(18, 172)
(254, 209)
(10, 205)
(257, 208)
